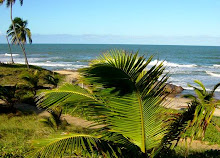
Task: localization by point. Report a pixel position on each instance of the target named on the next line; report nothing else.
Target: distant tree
(10, 3)
(22, 31)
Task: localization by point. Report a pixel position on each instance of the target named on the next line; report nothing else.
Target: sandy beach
(177, 103)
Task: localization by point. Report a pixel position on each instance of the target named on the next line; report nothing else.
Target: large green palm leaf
(74, 145)
(128, 73)
(136, 113)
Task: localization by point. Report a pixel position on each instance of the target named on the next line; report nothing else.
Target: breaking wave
(6, 54)
(213, 74)
(215, 65)
(171, 64)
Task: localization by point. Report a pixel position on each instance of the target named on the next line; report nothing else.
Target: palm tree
(21, 32)
(133, 118)
(12, 61)
(33, 80)
(193, 122)
(10, 3)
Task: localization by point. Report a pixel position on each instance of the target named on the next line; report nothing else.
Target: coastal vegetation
(122, 97)
(19, 30)
(19, 85)
(117, 108)
(134, 121)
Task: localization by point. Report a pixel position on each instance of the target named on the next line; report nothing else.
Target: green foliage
(21, 29)
(193, 122)
(16, 133)
(55, 121)
(135, 113)
(8, 94)
(11, 74)
(52, 79)
(33, 80)
(212, 133)
(9, 2)
(205, 106)
(23, 83)
(76, 145)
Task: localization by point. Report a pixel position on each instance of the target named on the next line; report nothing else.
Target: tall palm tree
(18, 30)
(133, 118)
(10, 3)
(12, 61)
(21, 30)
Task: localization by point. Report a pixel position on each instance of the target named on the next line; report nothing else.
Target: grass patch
(17, 133)
(212, 135)
(10, 74)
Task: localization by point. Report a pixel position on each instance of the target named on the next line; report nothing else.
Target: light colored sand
(172, 102)
(71, 76)
(199, 145)
(182, 103)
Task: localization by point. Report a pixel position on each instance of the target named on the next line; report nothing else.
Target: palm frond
(117, 68)
(138, 120)
(21, 29)
(193, 122)
(136, 113)
(74, 145)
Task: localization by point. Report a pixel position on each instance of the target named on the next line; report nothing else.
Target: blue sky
(191, 22)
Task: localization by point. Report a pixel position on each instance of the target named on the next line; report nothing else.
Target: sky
(177, 22)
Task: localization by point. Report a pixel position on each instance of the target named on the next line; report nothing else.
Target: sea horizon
(120, 44)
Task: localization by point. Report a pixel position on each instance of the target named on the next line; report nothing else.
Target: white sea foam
(6, 54)
(215, 65)
(53, 64)
(191, 88)
(213, 74)
(50, 64)
(171, 64)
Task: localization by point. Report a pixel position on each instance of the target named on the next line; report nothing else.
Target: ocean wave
(171, 64)
(215, 65)
(6, 54)
(51, 64)
(191, 88)
(213, 74)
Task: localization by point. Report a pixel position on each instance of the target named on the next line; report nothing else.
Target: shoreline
(173, 102)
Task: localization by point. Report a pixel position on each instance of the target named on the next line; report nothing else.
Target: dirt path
(182, 103)
(70, 76)
(199, 145)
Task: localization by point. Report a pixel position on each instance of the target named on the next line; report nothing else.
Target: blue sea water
(184, 63)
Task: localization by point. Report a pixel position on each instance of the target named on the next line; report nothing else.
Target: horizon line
(123, 44)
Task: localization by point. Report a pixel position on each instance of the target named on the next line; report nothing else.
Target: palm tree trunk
(12, 61)
(22, 47)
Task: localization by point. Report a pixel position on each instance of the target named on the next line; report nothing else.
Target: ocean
(184, 63)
